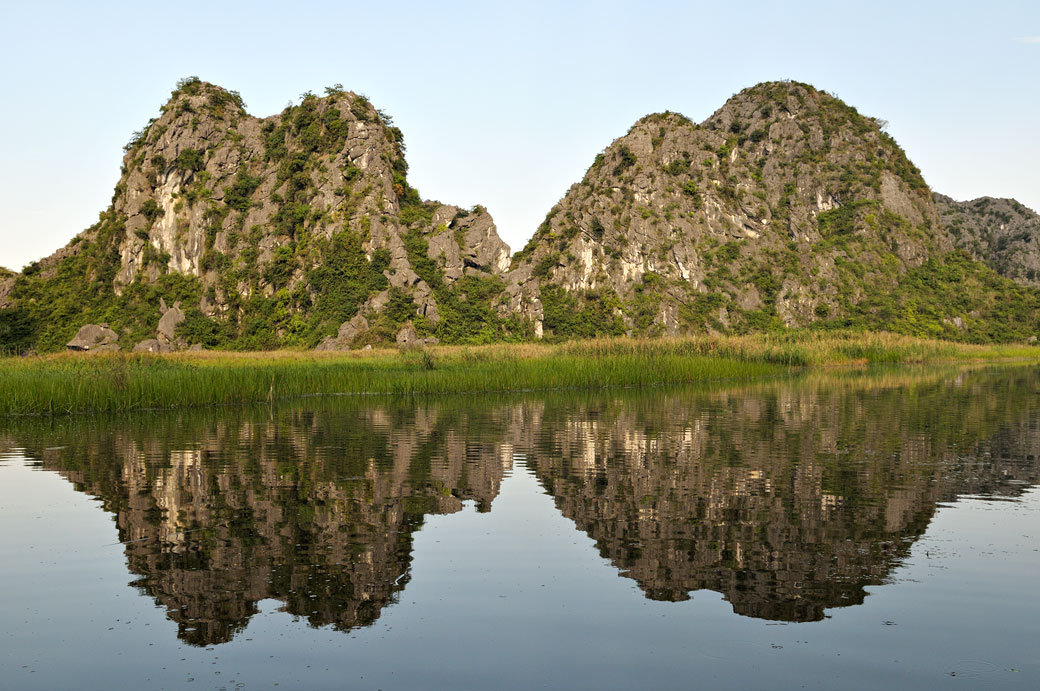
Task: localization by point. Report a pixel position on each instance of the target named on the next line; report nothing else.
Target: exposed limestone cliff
(270, 231)
(785, 208)
(751, 217)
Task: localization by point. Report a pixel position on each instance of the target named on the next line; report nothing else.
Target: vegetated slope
(1002, 233)
(270, 232)
(786, 208)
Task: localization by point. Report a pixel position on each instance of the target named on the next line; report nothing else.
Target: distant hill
(786, 208)
(1002, 233)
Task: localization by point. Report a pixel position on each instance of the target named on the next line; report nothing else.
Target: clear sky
(501, 104)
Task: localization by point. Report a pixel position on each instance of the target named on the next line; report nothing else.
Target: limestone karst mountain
(269, 231)
(785, 209)
(1001, 233)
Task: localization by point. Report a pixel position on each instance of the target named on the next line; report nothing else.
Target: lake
(874, 528)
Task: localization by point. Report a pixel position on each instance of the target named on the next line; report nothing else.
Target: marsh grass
(73, 383)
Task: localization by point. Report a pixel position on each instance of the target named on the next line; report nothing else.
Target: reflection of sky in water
(518, 596)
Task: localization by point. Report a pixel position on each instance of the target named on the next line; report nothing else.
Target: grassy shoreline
(77, 383)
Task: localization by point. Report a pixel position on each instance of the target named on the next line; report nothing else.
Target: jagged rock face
(753, 214)
(1002, 233)
(277, 230)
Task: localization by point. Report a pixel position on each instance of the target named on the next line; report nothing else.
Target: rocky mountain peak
(273, 231)
(785, 208)
(752, 217)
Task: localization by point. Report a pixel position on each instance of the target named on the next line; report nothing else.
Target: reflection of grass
(77, 383)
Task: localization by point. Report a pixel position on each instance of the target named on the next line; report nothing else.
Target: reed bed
(75, 383)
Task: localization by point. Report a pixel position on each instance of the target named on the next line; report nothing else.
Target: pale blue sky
(505, 105)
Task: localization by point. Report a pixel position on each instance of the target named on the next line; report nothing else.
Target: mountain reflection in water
(787, 498)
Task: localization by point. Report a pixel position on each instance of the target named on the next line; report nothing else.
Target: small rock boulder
(94, 337)
(171, 317)
(348, 331)
(150, 345)
(408, 338)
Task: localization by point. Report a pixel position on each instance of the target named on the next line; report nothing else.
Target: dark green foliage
(645, 305)
(842, 220)
(679, 165)
(151, 210)
(700, 310)
(545, 265)
(80, 291)
(690, 190)
(361, 108)
(768, 286)
(238, 194)
(417, 214)
(351, 173)
(17, 331)
(189, 86)
(218, 100)
(343, 281)
(928, 299)
(205, 331)
(290, 218)
(275, 147)
(137, 138)
(597, 229)
(580, 314)
(728, 253)
(625, 160)
(757, 321)
(282, 265)
(189, 161)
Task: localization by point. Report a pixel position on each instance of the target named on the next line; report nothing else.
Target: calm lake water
(875, 529)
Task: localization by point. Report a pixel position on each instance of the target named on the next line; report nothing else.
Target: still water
(853, 530)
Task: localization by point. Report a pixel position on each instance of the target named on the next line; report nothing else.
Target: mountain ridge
(786, 208)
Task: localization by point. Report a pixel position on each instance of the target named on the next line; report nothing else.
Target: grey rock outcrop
(408, 338)
(150, 345)
(348, 331)
(94, 338)
(166, 332)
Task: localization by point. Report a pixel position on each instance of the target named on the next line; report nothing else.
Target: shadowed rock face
(787, 498)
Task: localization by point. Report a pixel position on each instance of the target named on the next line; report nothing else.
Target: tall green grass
(73, 383)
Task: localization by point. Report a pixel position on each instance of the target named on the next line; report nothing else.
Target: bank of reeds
(73, 383)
